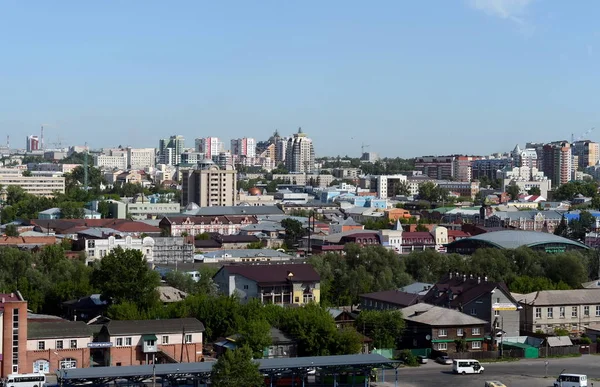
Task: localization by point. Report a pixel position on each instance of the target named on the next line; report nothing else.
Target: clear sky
(405, 77)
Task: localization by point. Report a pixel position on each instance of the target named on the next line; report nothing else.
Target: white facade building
(385, 182)
(96, 249)
(525, 178)
(245, 147)
(110, 162)
(300, 154)
(141, 158)
(210, 146)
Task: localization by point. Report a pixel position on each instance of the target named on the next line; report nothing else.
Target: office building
(35, 185)
(141, 158)
(300, 154)
(243, 147)
(587, 153)
(170, 150)
(388, 185)
(110, 162)
(210, 146)
(33, 143)
(192, 157)
(209, 185)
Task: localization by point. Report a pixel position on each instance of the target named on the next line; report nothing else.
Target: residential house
(387, 299)
(342, 317)
(478, 297)
(194, 225)
(56, 213)
(281, 284)
(281, 346)
(57, 345)
(405, 242)
(84, 308)
(573, 310)
(218, 242)
(438, 328)
(138, 342)
(336, 242)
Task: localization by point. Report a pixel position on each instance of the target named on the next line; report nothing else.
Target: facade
(463, 167)
(110, 162)
(141, 158)
(436, 167)
(305, 179)
(96, 249)
(172, 249)
(488, 167)
(438, 328)
(39, 186)
(209, 186)
(243, 147)
(404, 242)
(209, 146)
(139, 342)
(557, 162)
(143, 210)
(477, 297)
(573, 310)
(388, 185)
(300, 154)
(346, 173)
(191, 158)
(525, 178)
(587, 153)
(33, 143)
(170, 150)
(462, 188)
(387, 299)
(280, 284)
(195, 225)
(13, 315)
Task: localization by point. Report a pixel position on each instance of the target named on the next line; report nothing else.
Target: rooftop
(438, 316)
(235, 210)
(512, 239)
(395, 297)
(59, 329)
(563, 297)
(266, 274)
(246, 253)
(141, 327)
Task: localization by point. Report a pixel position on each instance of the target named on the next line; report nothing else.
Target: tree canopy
(236, 368)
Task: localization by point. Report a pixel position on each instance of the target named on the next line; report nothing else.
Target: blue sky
(406, 77)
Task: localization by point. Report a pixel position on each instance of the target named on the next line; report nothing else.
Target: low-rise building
(57, 345)
(34, 185)
(547, 310)
(387, 299)
(96, 249)
(56, 213)
(442, 329)
(194, 225)
(280, 284)
(138, 342)
(244, 256)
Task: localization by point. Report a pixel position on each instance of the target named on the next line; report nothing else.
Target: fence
(559, 351)
(488, 355)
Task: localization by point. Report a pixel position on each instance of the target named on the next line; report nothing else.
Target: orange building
(394, 214)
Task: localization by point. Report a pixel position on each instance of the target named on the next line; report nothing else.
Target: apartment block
(170, 150)
(210, 146)
(304, 179)
(557, 162)
(388, 185)
(111, 162)
(488, 168)
(300, 154)
(243, 147)
(35, 185)
(141, 158)
(436, 167)
(587, 153)
(209, 186)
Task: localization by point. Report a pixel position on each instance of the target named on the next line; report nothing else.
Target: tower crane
(362, 148)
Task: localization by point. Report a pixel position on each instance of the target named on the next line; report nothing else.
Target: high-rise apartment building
(300, 154)
(488, 168)
(557, 162)
(223, 159)
(436, 167)
(33, 143)
(210, 146)
(209, 186)
(170, 150)
(280, 147)
(587, 153)
(243, 147)
(463, 167)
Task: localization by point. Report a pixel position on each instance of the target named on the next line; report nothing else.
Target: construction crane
(573, 139)
(362, 148)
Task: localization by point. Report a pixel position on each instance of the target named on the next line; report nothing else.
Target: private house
(387, 299)
(420, 288)
(194, 225)
(84, 308)
(573, 310)
(281, 284)
(138, 342)
(478, 297)
(57, 345)
(438, 328)
(342, 317)
(282, 345)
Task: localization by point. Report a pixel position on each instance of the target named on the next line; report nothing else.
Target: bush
(409, 358)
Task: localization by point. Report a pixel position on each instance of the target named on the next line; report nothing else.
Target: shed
(529, 352)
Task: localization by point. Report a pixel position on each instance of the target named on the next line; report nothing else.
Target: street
(526, 373)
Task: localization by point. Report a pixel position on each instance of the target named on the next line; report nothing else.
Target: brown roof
(267, 274)
(71, 226)
(395, 297)
(24, 240)
(144, 327)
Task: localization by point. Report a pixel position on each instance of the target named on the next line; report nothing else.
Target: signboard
(555, 249)
(100, 345)
(506, 306)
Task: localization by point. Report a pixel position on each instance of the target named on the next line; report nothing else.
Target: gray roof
(516, 215)
(99, 232)
(141, 327)
(416, 288)
(264, 226)
(559, 341)
(512, 239)
(345, 361)
(59, 329)
(278, 337)
(235, 210)
(247, 253)
(564, 297)
(438, 316)
(50, 211)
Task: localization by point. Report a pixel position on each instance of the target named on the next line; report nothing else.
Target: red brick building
(138, 342)
(14, 334)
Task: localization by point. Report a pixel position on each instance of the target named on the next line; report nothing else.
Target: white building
(141, 158)
(35, 185)
(525, 178)
(300, 154)
(96, 249)
(110, 162)
(387, 184)
(245, 147)
(210, 146)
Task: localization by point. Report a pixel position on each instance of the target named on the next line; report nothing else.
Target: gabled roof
(62, 226)
(270, 274)
(143, 327)
(394, 297)
(437, 316)
(61, 329)
(564, 297)
(456, 292)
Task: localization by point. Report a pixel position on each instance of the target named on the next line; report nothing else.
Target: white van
(571, 380)
(466, 366)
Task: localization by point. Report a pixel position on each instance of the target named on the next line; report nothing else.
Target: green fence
(389, 353)
(421, 352)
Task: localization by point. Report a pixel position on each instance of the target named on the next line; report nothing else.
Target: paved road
(526, 373)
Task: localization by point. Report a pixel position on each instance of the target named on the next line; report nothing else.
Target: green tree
(402, 188)
(428, 191)
(236, 368)
(534, 191)
(27, 173)
(202, 236)
(384, 327)
(180, 280)
(71, 210)
(255, 333)
(11, 230)
(255, 245)
(124, 275)
(347, 341)
(293, 232)
(513, 191)
(563, 228)
(104, 209)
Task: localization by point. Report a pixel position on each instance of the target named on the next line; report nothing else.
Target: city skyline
(490, 73)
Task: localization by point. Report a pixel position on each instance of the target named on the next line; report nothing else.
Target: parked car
(445, 360)
(422, 359)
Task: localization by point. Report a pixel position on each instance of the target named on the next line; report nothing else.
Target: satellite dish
(428, 337)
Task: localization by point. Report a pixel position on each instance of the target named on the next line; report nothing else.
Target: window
(473, 312)
(586, 311)
(442, 346)
(128, 341)
(442, 332)
(68, 363)
(188, 338)
(496, 313)
(41, 345)
(460, 332)
(538, 312)
(59, 344)
(73, 344)
(561, 312)
(150, 343)
(119, 342)
(476, 331)
(476, 345)
(498, 300)
(574, 311)
(597, 310)
(245, 287)
(165, 339)
(550, 312)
